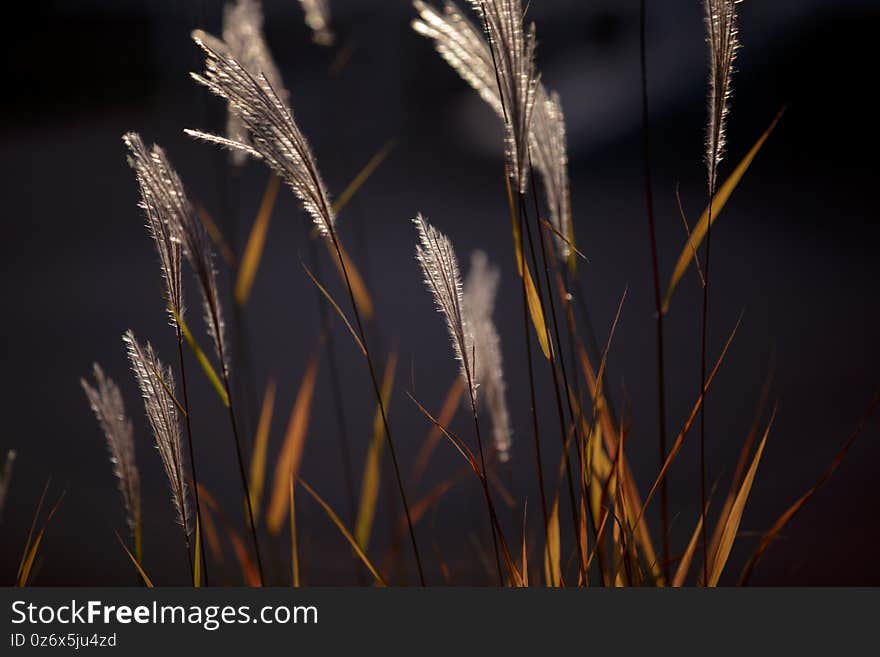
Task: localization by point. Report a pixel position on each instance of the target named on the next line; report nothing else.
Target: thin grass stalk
(378, 391)
(192, 456)
(658, 299)
(552, 362)
(526, 332)
(723, 45)
(557, 356)
(336, 393)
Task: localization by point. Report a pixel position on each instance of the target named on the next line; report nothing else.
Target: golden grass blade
(28, 563)
(292, 449)
(534, 302)
(552, 558)
(717, 204)
(203, 361)
(242, 554)
(358, 286)
(212, 537)
(786, 517)
(294, 544)
(685, 564)
(347, 534)
(338, 310)
(147, 581)
(197, 566)
(447, 413)
(253, 250)
(30, 536)
(362, 176)
(217, 238)
(261, 443)
(372, 467)
(525, 550)
(731, 525)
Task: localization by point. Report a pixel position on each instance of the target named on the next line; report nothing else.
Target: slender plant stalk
(552, 362)
(192, 455)
(378, 391)
(336, 393)
(658, 300)
(557, 357)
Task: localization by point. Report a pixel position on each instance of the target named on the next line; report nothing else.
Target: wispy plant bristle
(465, 48)
(440, 269)
(318, 19)
(156, 383)
(243, 34)
(275, 136)
(479, 292)
(723, 41)
(550, 158)
(163, 201)
(513, 48)
(106, 402)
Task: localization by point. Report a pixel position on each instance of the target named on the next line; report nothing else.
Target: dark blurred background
(794, 249)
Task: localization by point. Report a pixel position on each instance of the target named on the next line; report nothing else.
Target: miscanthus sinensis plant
(607, 540)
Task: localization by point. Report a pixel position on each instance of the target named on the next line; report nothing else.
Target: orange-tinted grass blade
(336, 307)
(253, 250)
(261, 443)
(147, 582)
(211, 536)
(731, 526)
(28, 564)
(294, 544)
(525, 550)
(679, 440)
(463, 449)
(447, 413)
(372, 467)
(742, 463)
(344, 531)
(790, 513)
(358, 286)
(216, 236)
(362, 176)
(685, 564)
(292, 448)
(717, 204)
(30, 536)
(553, 229)
(207, 368)
(242, 553)
(552, 563)
(534, 302)
(197, 566)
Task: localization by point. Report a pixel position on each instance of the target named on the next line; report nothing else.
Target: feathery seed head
(723, 39)
(275, 136)
(106, 402)
(156, 383)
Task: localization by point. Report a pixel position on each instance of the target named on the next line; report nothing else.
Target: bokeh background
(794, 250)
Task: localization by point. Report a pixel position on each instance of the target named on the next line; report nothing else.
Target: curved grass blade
(28, 564)
(261, 443)
(291, 452)
(786, 517)
(534, 302)
(347, 534)
(336, 307)
(372, 468)
(717, 204)
(253, 251)
(447, 413)
(731, 526)
(363, 175)
(147, 582)
(203, 361)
